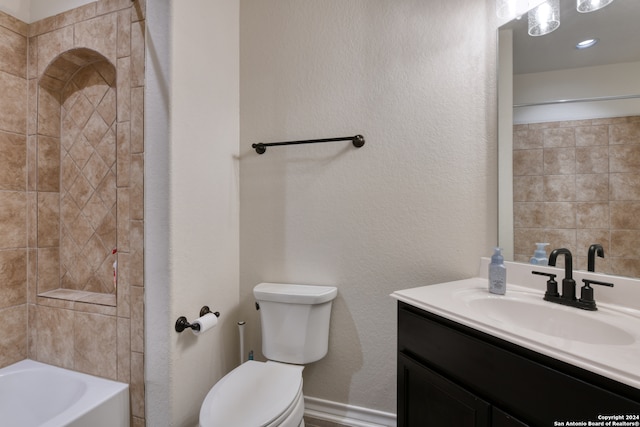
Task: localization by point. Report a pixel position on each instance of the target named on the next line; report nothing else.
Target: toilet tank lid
(294, 294)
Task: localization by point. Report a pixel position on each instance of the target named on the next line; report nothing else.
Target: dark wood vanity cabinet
(453, 375)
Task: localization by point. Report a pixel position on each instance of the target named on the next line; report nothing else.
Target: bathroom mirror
(569, 137)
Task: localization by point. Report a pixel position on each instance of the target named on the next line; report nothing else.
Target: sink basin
(606, 341)
(522, 311)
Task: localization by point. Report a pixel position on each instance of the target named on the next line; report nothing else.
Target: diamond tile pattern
(88, 176)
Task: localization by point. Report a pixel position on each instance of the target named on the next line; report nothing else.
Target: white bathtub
(34, 394)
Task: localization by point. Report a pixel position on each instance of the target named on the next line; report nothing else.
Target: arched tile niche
(76, 180)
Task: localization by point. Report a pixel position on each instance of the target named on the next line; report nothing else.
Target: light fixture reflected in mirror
(544, 18)
(584, 6)
(506, 8)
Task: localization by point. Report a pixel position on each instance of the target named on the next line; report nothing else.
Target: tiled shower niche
(71, 190)
(76, 179)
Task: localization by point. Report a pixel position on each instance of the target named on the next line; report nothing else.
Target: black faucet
(593, 250)
(568, 297)
(568, 284)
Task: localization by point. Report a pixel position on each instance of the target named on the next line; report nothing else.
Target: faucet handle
(552, 285)
(586, 293)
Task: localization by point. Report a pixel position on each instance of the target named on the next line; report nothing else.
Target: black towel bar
(261, 147)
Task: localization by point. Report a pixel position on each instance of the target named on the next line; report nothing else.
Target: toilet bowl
(256, 394)
(295, 331)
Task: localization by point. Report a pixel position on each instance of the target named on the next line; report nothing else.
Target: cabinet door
(500, 419)
(427, 399)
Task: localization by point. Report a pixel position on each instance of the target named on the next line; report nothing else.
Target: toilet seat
(255, 394)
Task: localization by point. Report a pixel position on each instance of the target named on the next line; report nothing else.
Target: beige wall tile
(32, 58)
(587, 136)
(624, 186)
(32, 107)
(51, 44)
(137, 53)
(528, 162)
(48, 113)
(124, 287)
(592, 159)
(625, 133)
(592, 187)
(55, 337)
(592, 215)
(48, 269)
(32, 219)
(13, 265)
(528, 215)
(48, 164)
(78, 14)
(625, 214)
(13, 109)
(32, 162)
(137, 120)
(13, 334)
(13, 24)
(559, 161)
(559, 188)
(625, 267)
(559, 137)
(13, 53)
(123, 153)
(124, 350)
(13, 161)
(137, 384)
(99, 34)
(527, 139)
(624, 158)
(13, 224)
(123, 225)
(136, 273)
(624, 243)
(95, 356)
(528, 188)
(560, 215)
(123, 67)
(562, 238)
(48, 220)
(136, 189)
(124, 33)
(137, 318)
(32, 276)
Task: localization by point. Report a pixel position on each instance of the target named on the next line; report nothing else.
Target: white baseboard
(348, 415)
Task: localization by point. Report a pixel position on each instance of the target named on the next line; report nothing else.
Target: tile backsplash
(577, 183)
(71, 190)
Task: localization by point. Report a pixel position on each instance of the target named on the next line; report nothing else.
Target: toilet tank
(295, 321)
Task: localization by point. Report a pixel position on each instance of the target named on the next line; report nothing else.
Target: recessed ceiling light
(586, 43)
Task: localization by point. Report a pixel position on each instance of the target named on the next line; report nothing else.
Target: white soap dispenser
(540, 255)
(497, 273)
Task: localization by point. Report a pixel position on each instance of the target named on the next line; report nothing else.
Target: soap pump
(497, 273)
(540, 255)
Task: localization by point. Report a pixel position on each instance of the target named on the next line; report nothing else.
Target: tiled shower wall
(13, 197)
(45, 317)
(577, 183)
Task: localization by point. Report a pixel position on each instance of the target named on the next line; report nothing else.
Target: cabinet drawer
(496, 371)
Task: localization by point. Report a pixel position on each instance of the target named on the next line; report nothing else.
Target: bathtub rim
(100, 390)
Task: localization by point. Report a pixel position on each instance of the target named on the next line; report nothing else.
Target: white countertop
(619, 361)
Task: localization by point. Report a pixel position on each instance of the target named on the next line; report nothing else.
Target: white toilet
(295, 331)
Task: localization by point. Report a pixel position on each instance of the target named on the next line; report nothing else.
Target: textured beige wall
(415, 206)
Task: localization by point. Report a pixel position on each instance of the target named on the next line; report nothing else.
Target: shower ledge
(80, 296)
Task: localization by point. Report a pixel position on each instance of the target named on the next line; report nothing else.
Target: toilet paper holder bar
(182, 323)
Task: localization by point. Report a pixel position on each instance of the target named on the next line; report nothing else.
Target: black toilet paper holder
(182, 323)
